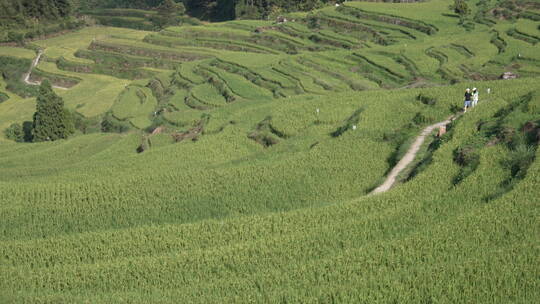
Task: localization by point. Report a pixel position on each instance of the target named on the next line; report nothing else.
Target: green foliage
(15, 132)
(469, 159)
(12, 70)
(519, 160)
(3, 97)
(427, 100)
(136, 104)
(134, 4)
(255, 9)
(84, 124)
(243, 182)
(169, 8)
(111, 124)
(461, 8)
(101, 205)
(265, 134)
(16, 37)
(136, 15)
(51, 120)
(15, 10)
(22, 19)
(127, 22)
(120, 68)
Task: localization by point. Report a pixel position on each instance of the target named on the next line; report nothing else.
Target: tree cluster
(461, 8)
(51, 121)
(215, 10)
(168, 12)
(262, 9)
(219, 10)
(26, 19)
(138, 4)
(19, 11)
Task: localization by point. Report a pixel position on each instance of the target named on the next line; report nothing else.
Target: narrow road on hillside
(409, 156)
(35, 62)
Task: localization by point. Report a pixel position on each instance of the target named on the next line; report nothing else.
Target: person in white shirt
(474, 97)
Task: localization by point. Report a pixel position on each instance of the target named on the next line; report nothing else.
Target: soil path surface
(34, 64)
(409, 156)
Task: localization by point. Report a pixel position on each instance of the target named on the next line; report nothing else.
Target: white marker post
(354, 127)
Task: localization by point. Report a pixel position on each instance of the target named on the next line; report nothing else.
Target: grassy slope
(425, 240)
(223, 219)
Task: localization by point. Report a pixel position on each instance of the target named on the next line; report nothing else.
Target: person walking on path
(468, 97)
(474, 97)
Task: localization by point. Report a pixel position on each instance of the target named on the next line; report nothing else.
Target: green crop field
(235, 161)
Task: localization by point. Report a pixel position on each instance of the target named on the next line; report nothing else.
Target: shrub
(112, 124)
(519, 160)
(427, 100)
(420, 119)
(16, 37)
(84, 124)
(461, 8)
(15, 132)
(469, 159)
(3, 97)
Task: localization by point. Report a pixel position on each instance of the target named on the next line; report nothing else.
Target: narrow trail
(35, 62)
(409, 156)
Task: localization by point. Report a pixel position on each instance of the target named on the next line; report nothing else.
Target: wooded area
(21, 20)
(15, 11)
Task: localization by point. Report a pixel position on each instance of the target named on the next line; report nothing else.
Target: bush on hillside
(3, 97)
(84, 124)
(112, 124)
(19, 132)
(427, 100)
(15, 132)
(16, 37)
(519, 160)
(461, 8)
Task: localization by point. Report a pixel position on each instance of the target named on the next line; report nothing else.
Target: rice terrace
(250, 151)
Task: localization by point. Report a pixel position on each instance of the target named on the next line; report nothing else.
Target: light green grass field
(14, 110)
(256, 187)
(93, 96)
(17, 52)
(135, 104)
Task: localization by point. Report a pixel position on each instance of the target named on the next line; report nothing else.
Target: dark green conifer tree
(51, 120)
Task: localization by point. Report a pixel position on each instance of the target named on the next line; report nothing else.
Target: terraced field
(248, 153)
(353, 47)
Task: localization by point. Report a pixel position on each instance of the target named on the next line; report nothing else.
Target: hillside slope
(252, 148)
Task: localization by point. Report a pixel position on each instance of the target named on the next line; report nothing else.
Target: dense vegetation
(233, 161)
(23, 10)
(25, 19)
(218, 9)
(51, 121)
(248, 9)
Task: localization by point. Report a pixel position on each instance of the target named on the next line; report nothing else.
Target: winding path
(35, 62)
(409, 156)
